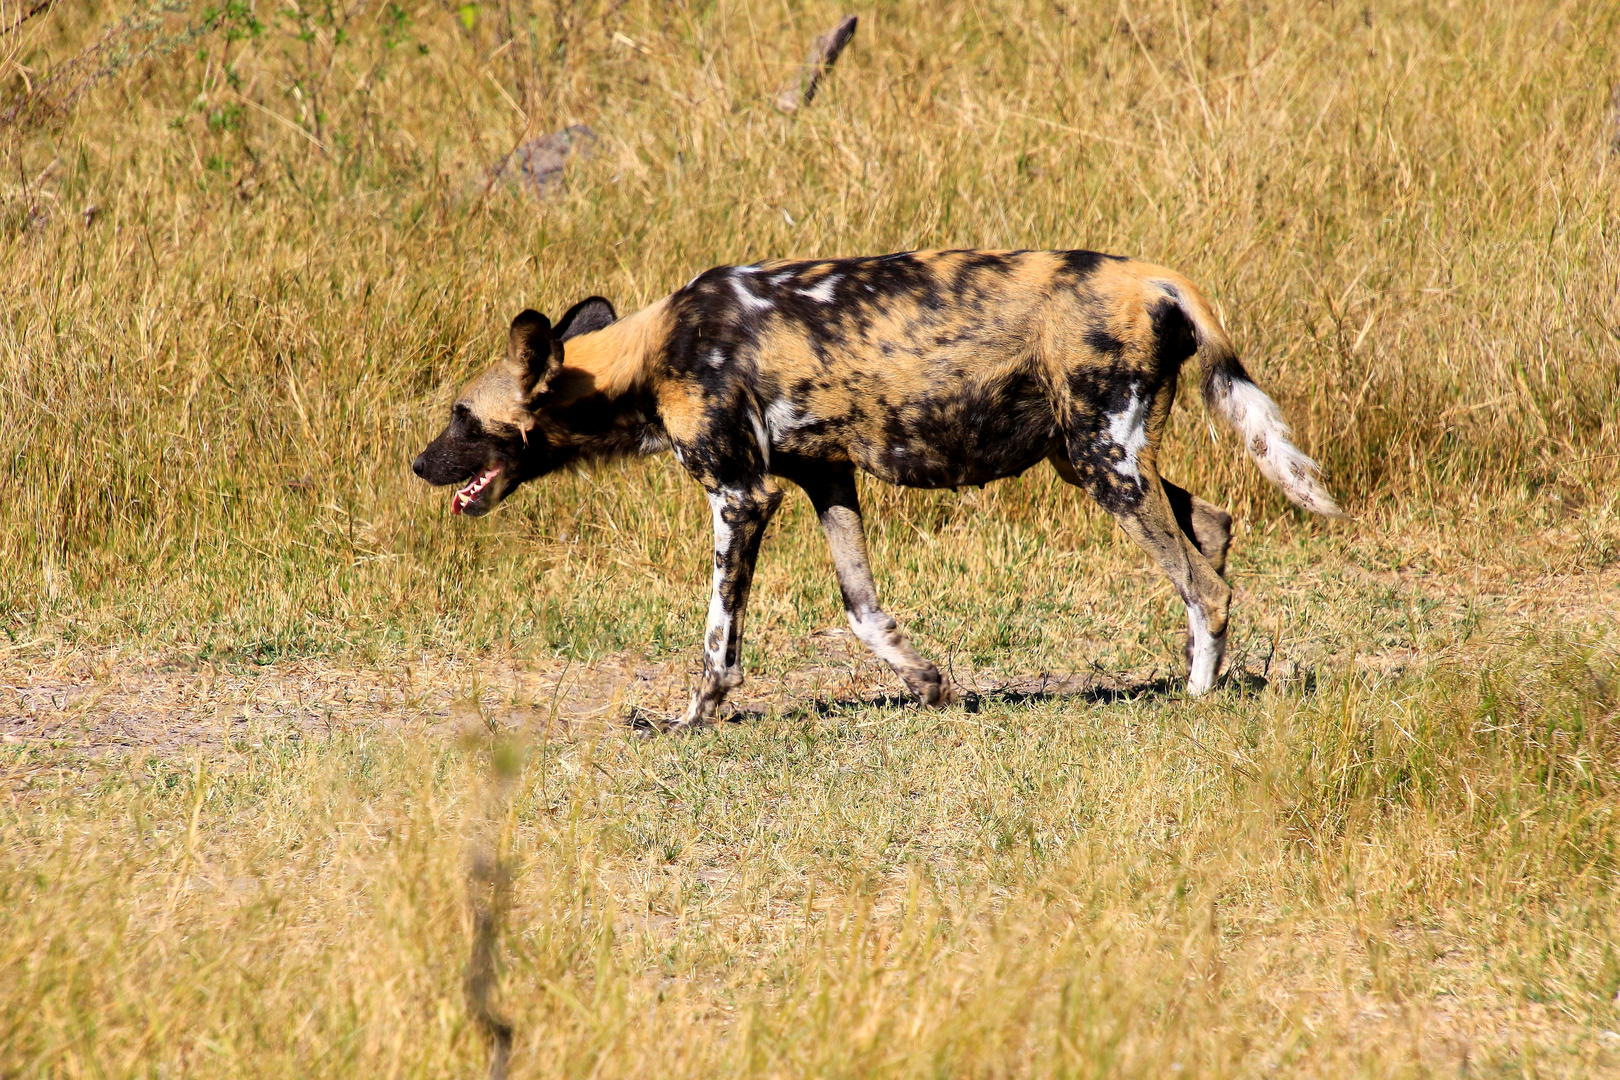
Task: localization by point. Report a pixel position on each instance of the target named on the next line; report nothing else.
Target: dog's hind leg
(1207, 596)
(838, 506)
(1205, 524)
(1146, 511)
(740, 517)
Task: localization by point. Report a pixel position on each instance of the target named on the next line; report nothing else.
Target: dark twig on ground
(802, 90)
(29, 14)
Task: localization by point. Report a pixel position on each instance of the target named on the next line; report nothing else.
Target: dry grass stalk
(146, 32)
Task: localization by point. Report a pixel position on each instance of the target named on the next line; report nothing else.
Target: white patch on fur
(722, 531)
(718, 630)
(783, 417)
(1265, 434)
(751, 268)
(880, 633)
(822, 291)
(717, 359)
(781, 276)
(748, 299)
(1128, 429)
(1205, 661)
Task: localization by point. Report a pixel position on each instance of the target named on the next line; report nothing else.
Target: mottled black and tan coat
(927, 369)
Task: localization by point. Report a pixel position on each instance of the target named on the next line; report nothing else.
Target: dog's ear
(592, 313)
(532, 350)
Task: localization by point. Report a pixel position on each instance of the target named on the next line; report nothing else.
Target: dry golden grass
(244, 644)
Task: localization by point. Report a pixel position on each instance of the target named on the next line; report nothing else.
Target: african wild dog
(927, 369)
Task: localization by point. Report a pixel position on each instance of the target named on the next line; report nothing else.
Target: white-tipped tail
(1266, 436)
(1234, 397)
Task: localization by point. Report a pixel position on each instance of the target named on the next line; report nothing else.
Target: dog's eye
(458, 411)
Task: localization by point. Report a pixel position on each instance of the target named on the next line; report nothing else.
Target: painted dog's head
(498, 436)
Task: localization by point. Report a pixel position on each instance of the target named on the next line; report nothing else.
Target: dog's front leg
(838, 506)
(740, 517)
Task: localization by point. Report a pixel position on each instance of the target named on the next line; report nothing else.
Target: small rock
(537, 165)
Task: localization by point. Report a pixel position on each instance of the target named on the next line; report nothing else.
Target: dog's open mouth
(469, 496)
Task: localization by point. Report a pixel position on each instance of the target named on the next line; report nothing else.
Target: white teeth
(465, 496)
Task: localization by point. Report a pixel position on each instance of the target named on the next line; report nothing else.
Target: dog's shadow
(1031, 692)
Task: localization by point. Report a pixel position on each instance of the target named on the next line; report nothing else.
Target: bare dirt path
(88, 707)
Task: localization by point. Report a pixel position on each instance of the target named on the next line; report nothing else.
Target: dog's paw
(650, 725)
(935, 693)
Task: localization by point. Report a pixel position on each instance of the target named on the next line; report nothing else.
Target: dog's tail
(1234, 397)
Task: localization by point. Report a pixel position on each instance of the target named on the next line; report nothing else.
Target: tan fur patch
(615, 358)
(497, 397)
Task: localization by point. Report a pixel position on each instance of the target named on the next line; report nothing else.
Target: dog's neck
(616, 360)
(600, 404)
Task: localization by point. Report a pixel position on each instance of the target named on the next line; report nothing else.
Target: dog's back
(931, 368)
